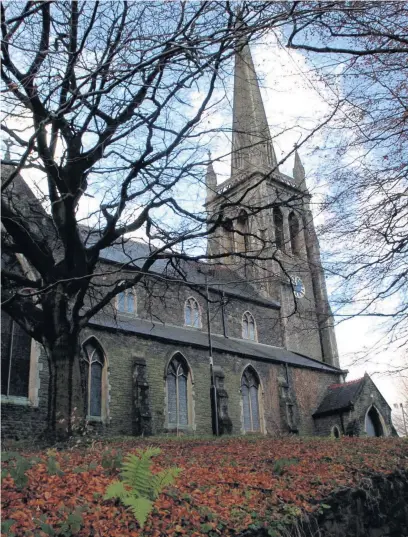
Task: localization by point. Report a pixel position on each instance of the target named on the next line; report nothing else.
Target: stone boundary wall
(378, 507)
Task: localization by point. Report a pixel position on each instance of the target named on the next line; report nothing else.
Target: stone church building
(242, 344)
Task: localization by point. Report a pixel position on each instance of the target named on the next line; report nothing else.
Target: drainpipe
(224, 325)
(213, 386)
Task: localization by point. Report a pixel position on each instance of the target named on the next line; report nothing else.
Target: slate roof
(340, 397)
(219, 277)
(199, 338)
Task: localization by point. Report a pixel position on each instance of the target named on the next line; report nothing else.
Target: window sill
(16, 400)
(95, 419)
(172, 428)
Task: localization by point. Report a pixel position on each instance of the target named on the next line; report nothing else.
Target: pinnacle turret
(210, 180)
(252, 147)
(299, 172)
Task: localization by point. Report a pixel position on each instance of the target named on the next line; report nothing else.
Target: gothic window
(126, 301)
(177, 381)
(248, 326)
(229, 236)
(242, 233)
(278, 224)
(250, 400)
(15, 358)
(94, 361)
(335, 432)
(192, 314)
(294, 234)
(373, 424)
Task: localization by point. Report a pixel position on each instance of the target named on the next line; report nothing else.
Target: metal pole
(403, 417)
(213, 386)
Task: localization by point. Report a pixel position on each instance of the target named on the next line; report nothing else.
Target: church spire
(252, 147)
(210, 179)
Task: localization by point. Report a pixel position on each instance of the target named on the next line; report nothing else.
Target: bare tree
(98, 100)
(360, 51)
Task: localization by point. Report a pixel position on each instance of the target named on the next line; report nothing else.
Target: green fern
(139, 486)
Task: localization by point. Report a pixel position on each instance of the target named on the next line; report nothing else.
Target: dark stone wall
(25, 419)
(140, 409)
(166, 305)
(377, 507)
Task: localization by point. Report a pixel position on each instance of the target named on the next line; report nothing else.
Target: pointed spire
(299, 172)
(210, 179)
(251, 139)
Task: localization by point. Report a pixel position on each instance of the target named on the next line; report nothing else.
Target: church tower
(267, 233)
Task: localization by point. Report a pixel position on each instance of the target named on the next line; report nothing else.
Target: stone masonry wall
(22, 420)
(280, 387)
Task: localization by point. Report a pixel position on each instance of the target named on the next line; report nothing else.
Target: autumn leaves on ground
(224, 486)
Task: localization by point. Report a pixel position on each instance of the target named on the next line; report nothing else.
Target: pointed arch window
(373, 423)
(192, 313)
(229, 236)
(126, 302)
(15, 358)
(94, 360)
(178, 385)
(250, 400)
(242, 233)
(278, 225)
(294, 229)
(248, 326)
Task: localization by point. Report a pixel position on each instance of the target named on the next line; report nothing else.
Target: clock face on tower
(298, 287)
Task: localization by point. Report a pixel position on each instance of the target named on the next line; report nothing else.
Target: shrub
(139, 486)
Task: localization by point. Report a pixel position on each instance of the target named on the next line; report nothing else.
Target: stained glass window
(250, 400)
(94, 363)
(177, 392)
(192, 315)
(248, 326)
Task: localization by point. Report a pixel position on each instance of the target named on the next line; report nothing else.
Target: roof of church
(340, 397)
(219, 277)
(199, 338)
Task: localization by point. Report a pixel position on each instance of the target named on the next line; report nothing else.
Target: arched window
(192, 314)
(229, 236)
(248, 326)
(278, 224)
(15, 358)
(373, 423)
(178, 392)
(242, 233)
(126, 301)
(335, 432)
(250, 400)
(294, 233)
(94, 360)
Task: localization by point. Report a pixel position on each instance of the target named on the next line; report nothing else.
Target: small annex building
(270, 353)
(345, 409)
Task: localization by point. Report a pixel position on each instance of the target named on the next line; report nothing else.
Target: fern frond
(136, 471)
(136, 474)
(116, 490)
(140, 507)
(163, 479)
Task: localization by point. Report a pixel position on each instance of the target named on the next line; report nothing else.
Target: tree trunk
(66, 398)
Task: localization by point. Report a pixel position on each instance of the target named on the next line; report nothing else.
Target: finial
(8, 143)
